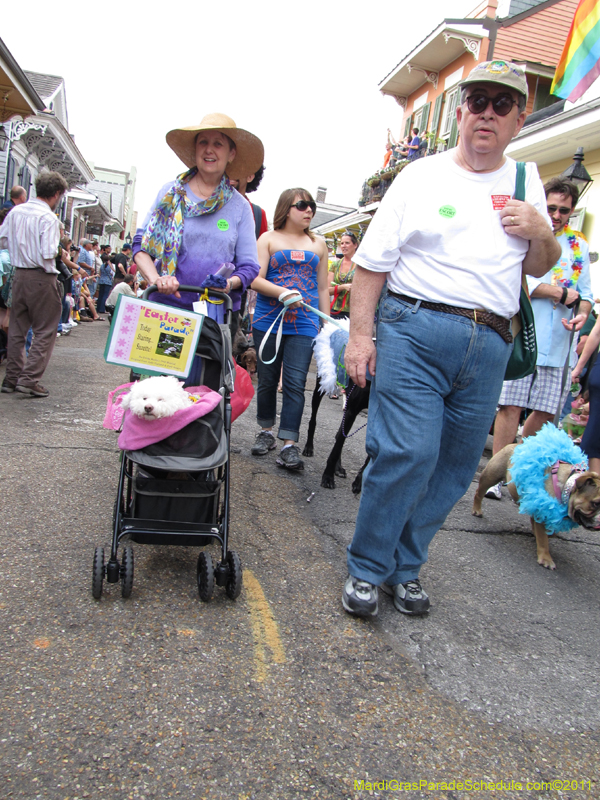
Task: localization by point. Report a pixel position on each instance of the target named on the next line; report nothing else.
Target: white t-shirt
(439, 235)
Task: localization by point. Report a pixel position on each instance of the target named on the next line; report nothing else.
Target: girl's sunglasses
(502, 103)
(302, 205)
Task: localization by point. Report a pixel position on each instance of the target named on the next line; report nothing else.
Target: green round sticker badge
(223, 225)
(448, 211)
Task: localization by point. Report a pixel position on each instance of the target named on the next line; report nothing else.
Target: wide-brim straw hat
(249, 150)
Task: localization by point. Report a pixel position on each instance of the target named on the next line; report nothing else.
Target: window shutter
(407, 126)
(437, 112)
(453, 134)
(424, 118)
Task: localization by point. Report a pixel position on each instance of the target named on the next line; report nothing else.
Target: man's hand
(360, 354)
(522, 219)
(578, 321)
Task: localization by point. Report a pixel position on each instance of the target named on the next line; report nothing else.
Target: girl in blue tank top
(290, 258)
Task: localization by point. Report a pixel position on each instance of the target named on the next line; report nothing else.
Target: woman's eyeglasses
(302, 205)
(502, 103)
(563, 210)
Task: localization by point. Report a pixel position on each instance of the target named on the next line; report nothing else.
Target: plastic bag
(243, 392)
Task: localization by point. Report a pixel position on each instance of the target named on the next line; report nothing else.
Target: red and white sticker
(499, 201)
(297, 255)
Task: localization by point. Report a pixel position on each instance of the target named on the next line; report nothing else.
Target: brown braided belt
(499, 324)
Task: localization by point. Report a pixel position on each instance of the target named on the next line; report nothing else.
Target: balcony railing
(375, 187)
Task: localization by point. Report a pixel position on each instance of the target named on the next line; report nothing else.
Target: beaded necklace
(577, 264)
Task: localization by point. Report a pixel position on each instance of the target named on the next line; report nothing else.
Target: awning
(423, 64)
(17, 95)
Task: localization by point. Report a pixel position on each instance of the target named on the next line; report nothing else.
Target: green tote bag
(524, 355)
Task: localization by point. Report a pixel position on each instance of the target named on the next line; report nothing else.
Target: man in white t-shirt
(451, 242)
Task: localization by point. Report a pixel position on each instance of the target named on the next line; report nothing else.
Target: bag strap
(520, 182)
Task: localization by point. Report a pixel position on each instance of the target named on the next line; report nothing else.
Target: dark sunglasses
(302, 205)
(563, 210)
(502, 103)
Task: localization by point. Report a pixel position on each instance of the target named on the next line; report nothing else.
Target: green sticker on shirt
(223, 225)
(448, 211)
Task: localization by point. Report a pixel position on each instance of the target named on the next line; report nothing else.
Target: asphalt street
(279, 694)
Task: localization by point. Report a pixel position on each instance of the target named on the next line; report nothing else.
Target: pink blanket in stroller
(138, 433)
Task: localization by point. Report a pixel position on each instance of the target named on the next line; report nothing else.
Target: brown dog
(583, 505)
(248, 360)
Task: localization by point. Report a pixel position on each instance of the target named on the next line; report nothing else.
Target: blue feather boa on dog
(529, 467)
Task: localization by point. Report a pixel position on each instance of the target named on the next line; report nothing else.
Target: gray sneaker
(409, 597)
(289, 458)
(7, 386)
(360, 597)
(495, 491)
(264, 442)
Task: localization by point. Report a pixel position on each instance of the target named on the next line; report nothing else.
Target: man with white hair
(31, 233)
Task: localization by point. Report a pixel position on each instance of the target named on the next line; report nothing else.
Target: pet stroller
(177, 491)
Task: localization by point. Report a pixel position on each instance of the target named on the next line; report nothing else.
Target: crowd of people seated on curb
(89, 277)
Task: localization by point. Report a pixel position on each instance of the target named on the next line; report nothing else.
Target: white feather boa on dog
(329, 348)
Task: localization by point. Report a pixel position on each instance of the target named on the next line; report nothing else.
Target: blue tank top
(291, 269)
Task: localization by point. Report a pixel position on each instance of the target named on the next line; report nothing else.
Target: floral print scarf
(163, 235)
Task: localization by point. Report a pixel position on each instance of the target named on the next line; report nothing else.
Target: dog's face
(584, 502)
(156, 398)
(248, 360)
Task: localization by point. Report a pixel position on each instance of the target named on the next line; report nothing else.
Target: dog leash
(288, 297)
(344, 434)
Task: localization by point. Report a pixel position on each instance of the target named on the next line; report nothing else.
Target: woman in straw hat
(199, 222)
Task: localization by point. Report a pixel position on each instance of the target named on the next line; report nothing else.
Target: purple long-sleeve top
(209, 241)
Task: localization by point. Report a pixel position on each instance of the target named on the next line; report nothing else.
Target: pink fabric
(138, 433)
(114, 411)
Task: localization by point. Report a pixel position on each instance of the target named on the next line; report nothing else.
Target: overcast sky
(301, 75)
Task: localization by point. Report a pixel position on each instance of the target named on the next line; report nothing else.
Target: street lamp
(578, 174)
(128, 238)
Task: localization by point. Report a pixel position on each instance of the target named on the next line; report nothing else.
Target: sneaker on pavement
(289, 458)
(8, 387)
(409, 597)
(37, 390)
(495, 491)
(360, 597)
(264, 442)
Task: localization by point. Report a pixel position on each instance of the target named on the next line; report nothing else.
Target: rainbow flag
(579, 65)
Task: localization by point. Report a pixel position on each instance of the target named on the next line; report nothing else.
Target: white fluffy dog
(155, 398)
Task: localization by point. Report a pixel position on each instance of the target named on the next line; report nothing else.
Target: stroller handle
(185, 288)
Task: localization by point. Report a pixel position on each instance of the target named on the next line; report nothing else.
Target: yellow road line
(264, 627)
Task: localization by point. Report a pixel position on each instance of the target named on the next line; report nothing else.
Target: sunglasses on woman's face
(302, 205)
(502, 104)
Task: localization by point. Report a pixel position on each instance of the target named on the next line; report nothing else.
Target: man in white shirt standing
(451, 241)
(31, 233)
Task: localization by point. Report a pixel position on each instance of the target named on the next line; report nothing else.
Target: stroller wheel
(206, 577)
(233, 587)
(98, 573)
(126, 572)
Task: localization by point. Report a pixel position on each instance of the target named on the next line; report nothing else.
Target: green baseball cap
(503, 73)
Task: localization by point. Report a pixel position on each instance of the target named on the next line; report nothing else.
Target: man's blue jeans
(438, 379)
(295, 353)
